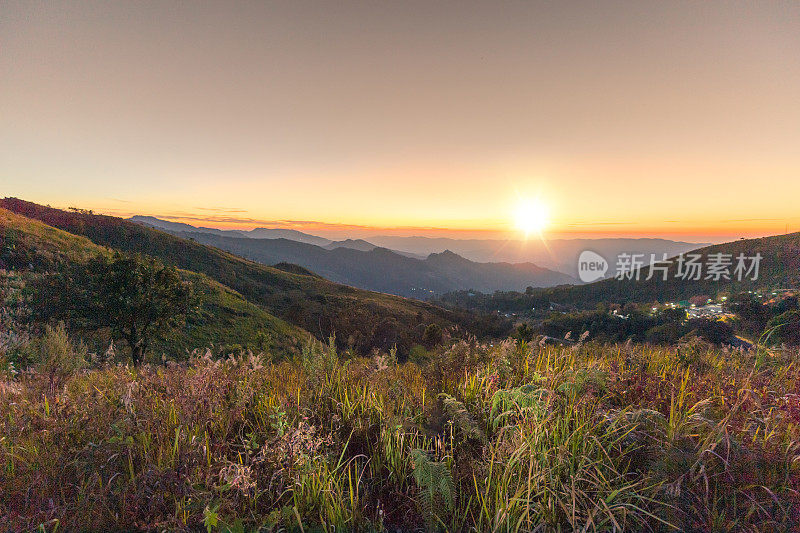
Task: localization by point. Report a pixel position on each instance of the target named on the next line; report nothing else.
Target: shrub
(787, 327)
(432, 336)
(57, 357)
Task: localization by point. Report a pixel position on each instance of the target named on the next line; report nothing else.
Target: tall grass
(512, 437)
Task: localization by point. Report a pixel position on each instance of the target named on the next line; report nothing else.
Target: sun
(531, 216)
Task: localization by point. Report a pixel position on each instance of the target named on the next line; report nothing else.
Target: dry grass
(507, 438)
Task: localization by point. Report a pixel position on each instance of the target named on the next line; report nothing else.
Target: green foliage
(319, 361)
(665, 326)
(137, 297)
(710, 330)
(509, 405)
(437, 490)
(230, 323)
(56, 356)
(787, 327)
(461, 418)
(753, 314)
(432, 336)
(418, 354)
(577, 382)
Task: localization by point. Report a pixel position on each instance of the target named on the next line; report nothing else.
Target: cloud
(304, 225)
(222, 209)
(600, 224)
(755, 220)
(279, 224)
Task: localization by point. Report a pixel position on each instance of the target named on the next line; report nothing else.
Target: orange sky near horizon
(694, 230)
(644, 119)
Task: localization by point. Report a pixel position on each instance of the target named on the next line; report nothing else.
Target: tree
(525, 332)
(787, 327)
(386, 334)
(713, 331)
(136, 297)
(432, 336)
(753, 314)
(790, 303)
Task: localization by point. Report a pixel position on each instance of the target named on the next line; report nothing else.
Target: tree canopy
(137, 297)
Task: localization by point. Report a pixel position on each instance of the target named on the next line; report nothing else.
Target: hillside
(180, 226)
(362, 265)
(778, 268)
(223, 318)
(359, 318)
(354, 244)
(256, 233)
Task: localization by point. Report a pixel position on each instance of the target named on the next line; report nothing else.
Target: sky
(670, 119)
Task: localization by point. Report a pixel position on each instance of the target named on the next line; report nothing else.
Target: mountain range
(362, 264)
(256, 299)
(778, 268)
(244, 299)
(257, 233)
(556, 254)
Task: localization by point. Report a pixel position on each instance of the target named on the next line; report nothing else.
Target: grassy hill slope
(359, 318)
(224, 317)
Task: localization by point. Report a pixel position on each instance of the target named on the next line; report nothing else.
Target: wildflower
(9, 388)
(254, 360)
(381, 362)
(111, 352)
(127, 398)
(239, 477)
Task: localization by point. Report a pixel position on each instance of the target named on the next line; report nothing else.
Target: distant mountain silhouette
(257, 233)
(281, 233)
(556, 254)
(180, 226)
(364, 246)
(353, 244)
(384, 270)
(361, 264)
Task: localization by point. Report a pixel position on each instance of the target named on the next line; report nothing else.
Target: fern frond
(437, 490)
(461, 418)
